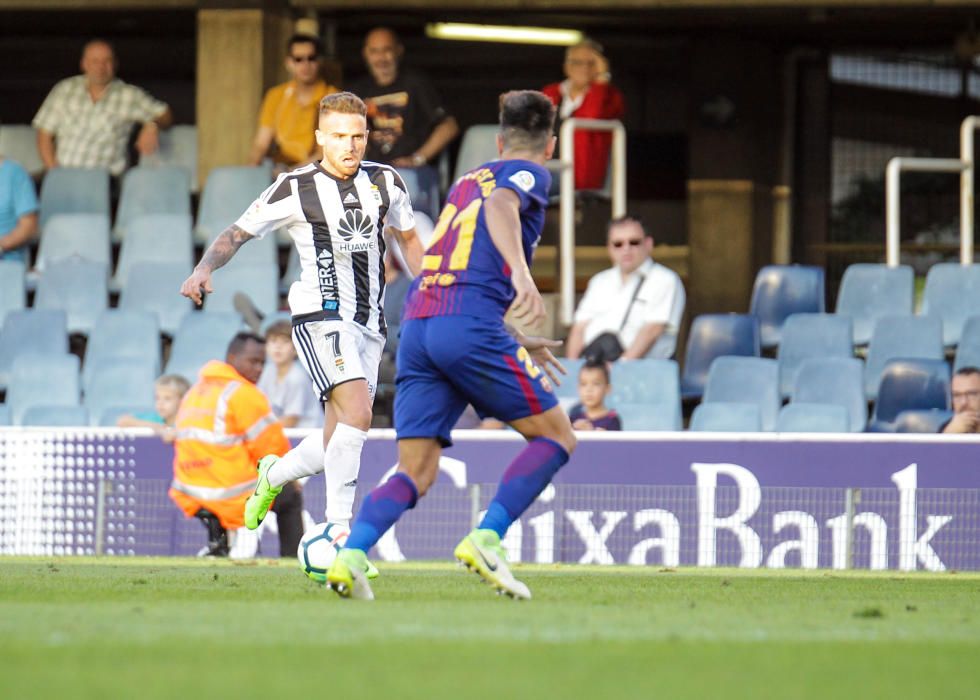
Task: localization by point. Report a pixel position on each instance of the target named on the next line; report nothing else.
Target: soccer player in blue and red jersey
(455, 349)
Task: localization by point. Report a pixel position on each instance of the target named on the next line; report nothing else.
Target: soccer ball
(319, 548)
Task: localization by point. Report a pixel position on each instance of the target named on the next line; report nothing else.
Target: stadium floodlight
(504, 34)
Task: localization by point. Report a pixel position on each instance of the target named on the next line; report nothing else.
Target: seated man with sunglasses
(634, 308)
(289, 113)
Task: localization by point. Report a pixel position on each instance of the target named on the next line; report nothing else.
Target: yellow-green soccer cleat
(258, 504)
(347, 577)
(481, 552)
(371, 571)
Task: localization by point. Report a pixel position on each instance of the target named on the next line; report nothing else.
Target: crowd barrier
(900, 502)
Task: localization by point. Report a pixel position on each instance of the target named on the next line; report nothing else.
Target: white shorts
(334, 352)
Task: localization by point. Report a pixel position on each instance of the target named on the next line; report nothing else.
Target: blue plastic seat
(164, 189)
(901, 336)
(922, 421)
(746, 380)
(659, 416)
(834, 380)
(783, 290)
(813, 418)
(13, 292)
(869, 291)
(110, 415)
(178, 146)
(42, 379)
(31, 331)
(73, 191)
(569, 382)
(953, 294)
(155, 238)
(712, 336)
(260, 283)
(119, 382)
(727, 417)
(423, 188)
(4, 414)
(654, 383)
(74, 236)
(227, 193)
(77, 286)
(56, 416)
(200, 339)
(18, 142)
(909, 384)
(811, 335)
(122, 333)
(478, 146)
(968, 351)
(156, 288)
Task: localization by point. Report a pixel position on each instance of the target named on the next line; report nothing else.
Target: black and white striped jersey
(338, 229)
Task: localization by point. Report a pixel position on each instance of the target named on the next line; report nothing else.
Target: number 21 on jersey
(463, 223)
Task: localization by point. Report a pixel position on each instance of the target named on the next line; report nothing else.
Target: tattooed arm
(221, 250)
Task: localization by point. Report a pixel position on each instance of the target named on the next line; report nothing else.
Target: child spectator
(285, 382)
(168, 390)
(591, 413)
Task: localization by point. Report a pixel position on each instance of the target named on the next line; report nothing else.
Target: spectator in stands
(408, 123)
(586, 93)
(593, 388)
(287, 120)
(966, 402)
(168, 390)
(85, 121)
(18, 210)
(634, 308)
(285, 382)
(224, 426)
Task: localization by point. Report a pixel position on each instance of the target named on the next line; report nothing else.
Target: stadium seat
(813, 418)
(122, 333)
(834, 380)
(658, 416)
(968, 351)
(160, 190)
(870, 291)
(74, 191)
(77, 286)
(83, 236)
(746, 380)
(119, 382)
(478, 146)
(900, 336)
(811, 335)
(156, 288)
(44, 415)
(260, 283)
(18, 142)
(110, 415)
(922, 421)
(4, 414)
(13, 294)
(227, 194)
(178, 146)
(727, 417)
(952, 293)
(31, 331)
(783, 290)
(423, 188)
(653, 383)
(569, 382)
(909, 384)
(156, 238)
(200, 339)
(715, 335)
(48, 379)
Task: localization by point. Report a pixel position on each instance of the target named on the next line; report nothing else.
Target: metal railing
(566, 286)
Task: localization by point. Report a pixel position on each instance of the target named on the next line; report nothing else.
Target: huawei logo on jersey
(354, 223)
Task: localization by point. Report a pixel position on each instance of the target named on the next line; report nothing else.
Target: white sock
(306, 459)
(341, 464)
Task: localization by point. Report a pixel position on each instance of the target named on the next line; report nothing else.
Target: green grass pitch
(201, 630)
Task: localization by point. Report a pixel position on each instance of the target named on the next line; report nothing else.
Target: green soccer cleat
(371, 571)
(258, 504)
(481, 552)
(347, 577)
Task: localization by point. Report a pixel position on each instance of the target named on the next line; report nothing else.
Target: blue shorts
(446, 362)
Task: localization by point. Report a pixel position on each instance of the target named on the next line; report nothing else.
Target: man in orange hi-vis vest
(224, 426)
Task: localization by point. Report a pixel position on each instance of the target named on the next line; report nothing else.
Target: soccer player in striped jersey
(337, 212)
(456, 350)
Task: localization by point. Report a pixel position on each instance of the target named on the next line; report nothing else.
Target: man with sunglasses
(637, 300)
(288, 117)
(966, 402)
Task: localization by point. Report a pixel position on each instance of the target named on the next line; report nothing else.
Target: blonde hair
(282, 329)
(343, 102)
(586, 43)
(173, 381)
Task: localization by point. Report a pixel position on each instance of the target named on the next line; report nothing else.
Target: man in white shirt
(638, 300)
